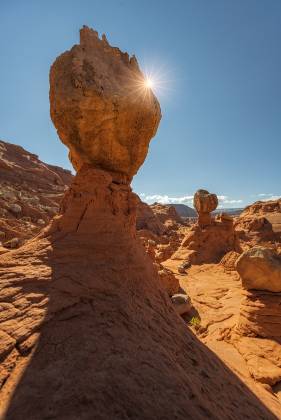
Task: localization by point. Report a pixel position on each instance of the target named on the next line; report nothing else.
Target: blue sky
(221, 106)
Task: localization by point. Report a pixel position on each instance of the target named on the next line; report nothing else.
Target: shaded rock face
(168, 280)
(30, 193)
(100, 106)
(148, 220)
(159, 228)
(109, 344)
(204, 203)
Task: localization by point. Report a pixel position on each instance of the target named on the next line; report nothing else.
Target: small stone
(183, 267)
(15, 208)
(181, 303)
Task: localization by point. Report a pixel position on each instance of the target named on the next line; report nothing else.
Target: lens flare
(152, 80)
(148, 83)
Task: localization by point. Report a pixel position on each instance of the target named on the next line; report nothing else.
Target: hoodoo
(86, 329)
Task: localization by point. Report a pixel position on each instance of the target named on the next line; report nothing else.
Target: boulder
(260, 269)
(102, 109)
(15, 208)
(204, 203)
(181, 303)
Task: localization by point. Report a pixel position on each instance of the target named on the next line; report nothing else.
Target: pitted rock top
(204, 202)
(100, 106)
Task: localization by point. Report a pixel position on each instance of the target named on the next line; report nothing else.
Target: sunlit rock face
(103, 110)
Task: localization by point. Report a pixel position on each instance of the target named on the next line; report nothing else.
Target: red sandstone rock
(30, 191)
(207, 244)
(260, 268)
(101, 108)
(168, 279)
(148, 220)
(229, 261)
(204, 203)
(260, 314)
(87, 330)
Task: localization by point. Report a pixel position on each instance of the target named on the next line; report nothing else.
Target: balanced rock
(260, 268)
(101, 107)
(86, 328)
(204, 203)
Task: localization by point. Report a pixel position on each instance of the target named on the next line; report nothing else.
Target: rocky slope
(30, 193)
(87, 330)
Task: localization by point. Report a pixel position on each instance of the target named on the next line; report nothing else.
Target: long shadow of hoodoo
(110, 345)
(87, 330)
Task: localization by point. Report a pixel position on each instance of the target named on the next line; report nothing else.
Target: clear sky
(221, 103)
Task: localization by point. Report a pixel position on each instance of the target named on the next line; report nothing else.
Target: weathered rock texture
(260, 269)
(30, 193)
(204, 203)
(100, 106)
(255, 230)
(148, 220)
(228, 261)
(207, 244)
(160, 229)
(87, 330)
(260, 224)
(209, 239)
(260, 313)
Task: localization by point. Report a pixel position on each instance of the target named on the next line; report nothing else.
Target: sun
(148, 83)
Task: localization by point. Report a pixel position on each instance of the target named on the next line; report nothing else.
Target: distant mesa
(185, 211)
